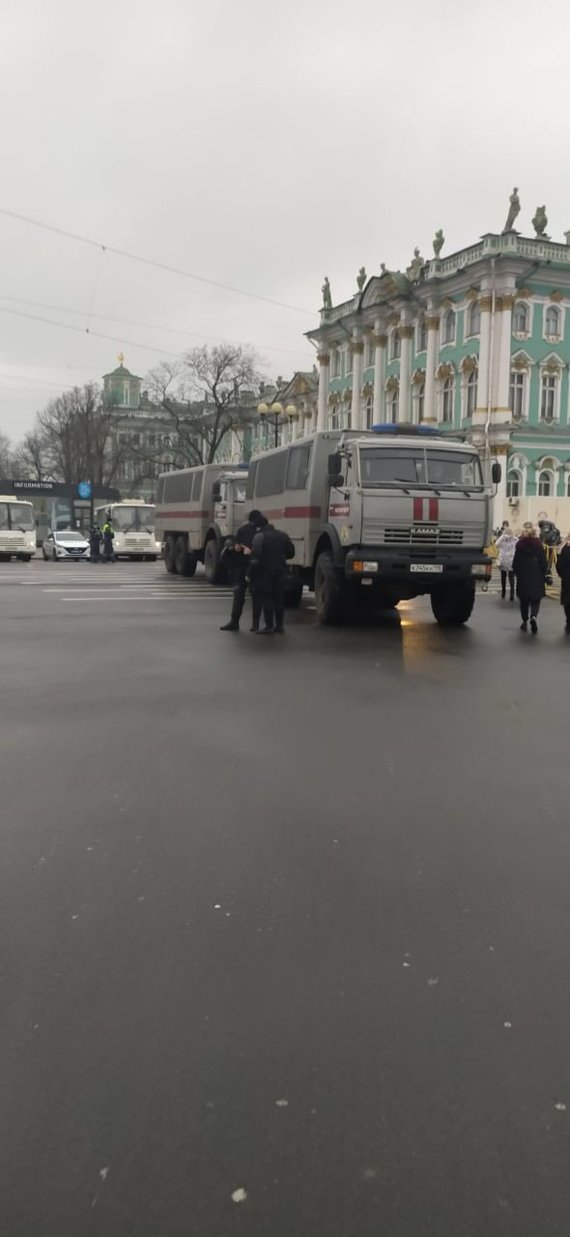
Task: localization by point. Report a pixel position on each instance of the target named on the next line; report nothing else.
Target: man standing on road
(108, 538)
(241, 555)
(270, 551)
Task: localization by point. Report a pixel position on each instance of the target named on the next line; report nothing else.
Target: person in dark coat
(108, 539)
(238, 558)
(530, 567)
(563, 569)
(271, 548)
(95, 543)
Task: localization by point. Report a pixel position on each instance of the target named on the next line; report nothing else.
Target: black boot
(231, 626)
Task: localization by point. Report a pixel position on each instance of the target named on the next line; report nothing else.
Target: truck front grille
(433, 536)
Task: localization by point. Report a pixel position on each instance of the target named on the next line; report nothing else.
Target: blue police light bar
(388, 427)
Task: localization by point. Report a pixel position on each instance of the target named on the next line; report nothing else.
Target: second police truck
(391, 513)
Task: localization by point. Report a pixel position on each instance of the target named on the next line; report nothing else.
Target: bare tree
(6, 456)
(79, 438)
(31, 458)
(202, 398)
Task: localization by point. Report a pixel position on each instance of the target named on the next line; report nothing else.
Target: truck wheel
(293, 594)
(329, 591)
(185, 562)
(213, 567)
(453, 606)
(169, 562)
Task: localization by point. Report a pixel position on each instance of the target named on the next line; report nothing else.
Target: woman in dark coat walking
(563, 569)
(530, 567)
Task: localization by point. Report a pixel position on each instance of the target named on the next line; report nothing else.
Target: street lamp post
(276, 415)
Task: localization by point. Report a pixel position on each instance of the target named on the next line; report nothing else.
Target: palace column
(405, 332)
(430, 409)
(484, 384)
(323, 397)
(357, 350)
(380, 342)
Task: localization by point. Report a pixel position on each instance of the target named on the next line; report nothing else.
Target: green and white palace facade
(477, 343)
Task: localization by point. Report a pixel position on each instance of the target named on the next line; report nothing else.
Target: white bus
(134, 526)
(17, 529)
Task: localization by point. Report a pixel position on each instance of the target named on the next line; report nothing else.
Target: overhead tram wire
(84, 330)
(161, 266)
(147, 326)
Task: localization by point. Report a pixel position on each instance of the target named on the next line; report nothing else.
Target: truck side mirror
(216, 491)
(496, 472)
(335, 469)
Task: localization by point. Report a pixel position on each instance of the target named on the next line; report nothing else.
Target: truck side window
(250, 486)
(298, 467)
(177, 487)
(271, 474)
(197, 484)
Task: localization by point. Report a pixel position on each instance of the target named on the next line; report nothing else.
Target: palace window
(422, 335)
(474, 319)
(335, 364)
(370, 353)
(544, 484)
(448, 328)
(348, 361)
(552, 322)
(395, 345)
(520, 318)
(392, 406)
(471, 393)
(513, 483)
(517, 393)
(447, 400)
(369, 411)
(421, 401)
(548, 391)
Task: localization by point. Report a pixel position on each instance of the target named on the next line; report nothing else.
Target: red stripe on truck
(418, 509)
(434, 509)
(182, 515)
(294, 513)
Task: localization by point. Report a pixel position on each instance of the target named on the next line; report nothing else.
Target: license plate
(434, 569)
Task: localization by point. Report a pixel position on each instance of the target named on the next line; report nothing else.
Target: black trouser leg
(268, 609)
(279, 600)
(503, 582)
(567, 613)
(512, 584)
(523, 602)
(534, 608)
(256, 606)
(238, 602)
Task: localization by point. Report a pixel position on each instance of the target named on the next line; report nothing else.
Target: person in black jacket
(530, 567)
(563, 569)
(239, 556)
(271, 548)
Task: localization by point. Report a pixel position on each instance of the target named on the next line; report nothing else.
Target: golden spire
(120, 357)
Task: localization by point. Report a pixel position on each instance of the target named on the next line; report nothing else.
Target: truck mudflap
(416, 567)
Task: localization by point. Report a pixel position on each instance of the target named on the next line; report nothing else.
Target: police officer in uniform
(241, 553)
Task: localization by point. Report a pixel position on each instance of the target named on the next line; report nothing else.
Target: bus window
(197, 485)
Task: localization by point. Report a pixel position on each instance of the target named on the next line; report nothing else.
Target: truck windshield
(417, 467)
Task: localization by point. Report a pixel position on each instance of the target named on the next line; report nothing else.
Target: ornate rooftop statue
(414, 271)
(540, 221)
(361, 278)
(438, 242)
(326, 291)
(514, 210)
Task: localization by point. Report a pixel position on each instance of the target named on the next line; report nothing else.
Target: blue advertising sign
(84, 489)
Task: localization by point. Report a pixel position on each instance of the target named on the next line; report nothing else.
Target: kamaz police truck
(197, 509)
(389, 513)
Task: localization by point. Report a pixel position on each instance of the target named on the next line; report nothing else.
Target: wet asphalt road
(288, 918)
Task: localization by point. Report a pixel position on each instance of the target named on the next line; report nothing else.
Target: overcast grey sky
(258, 144)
